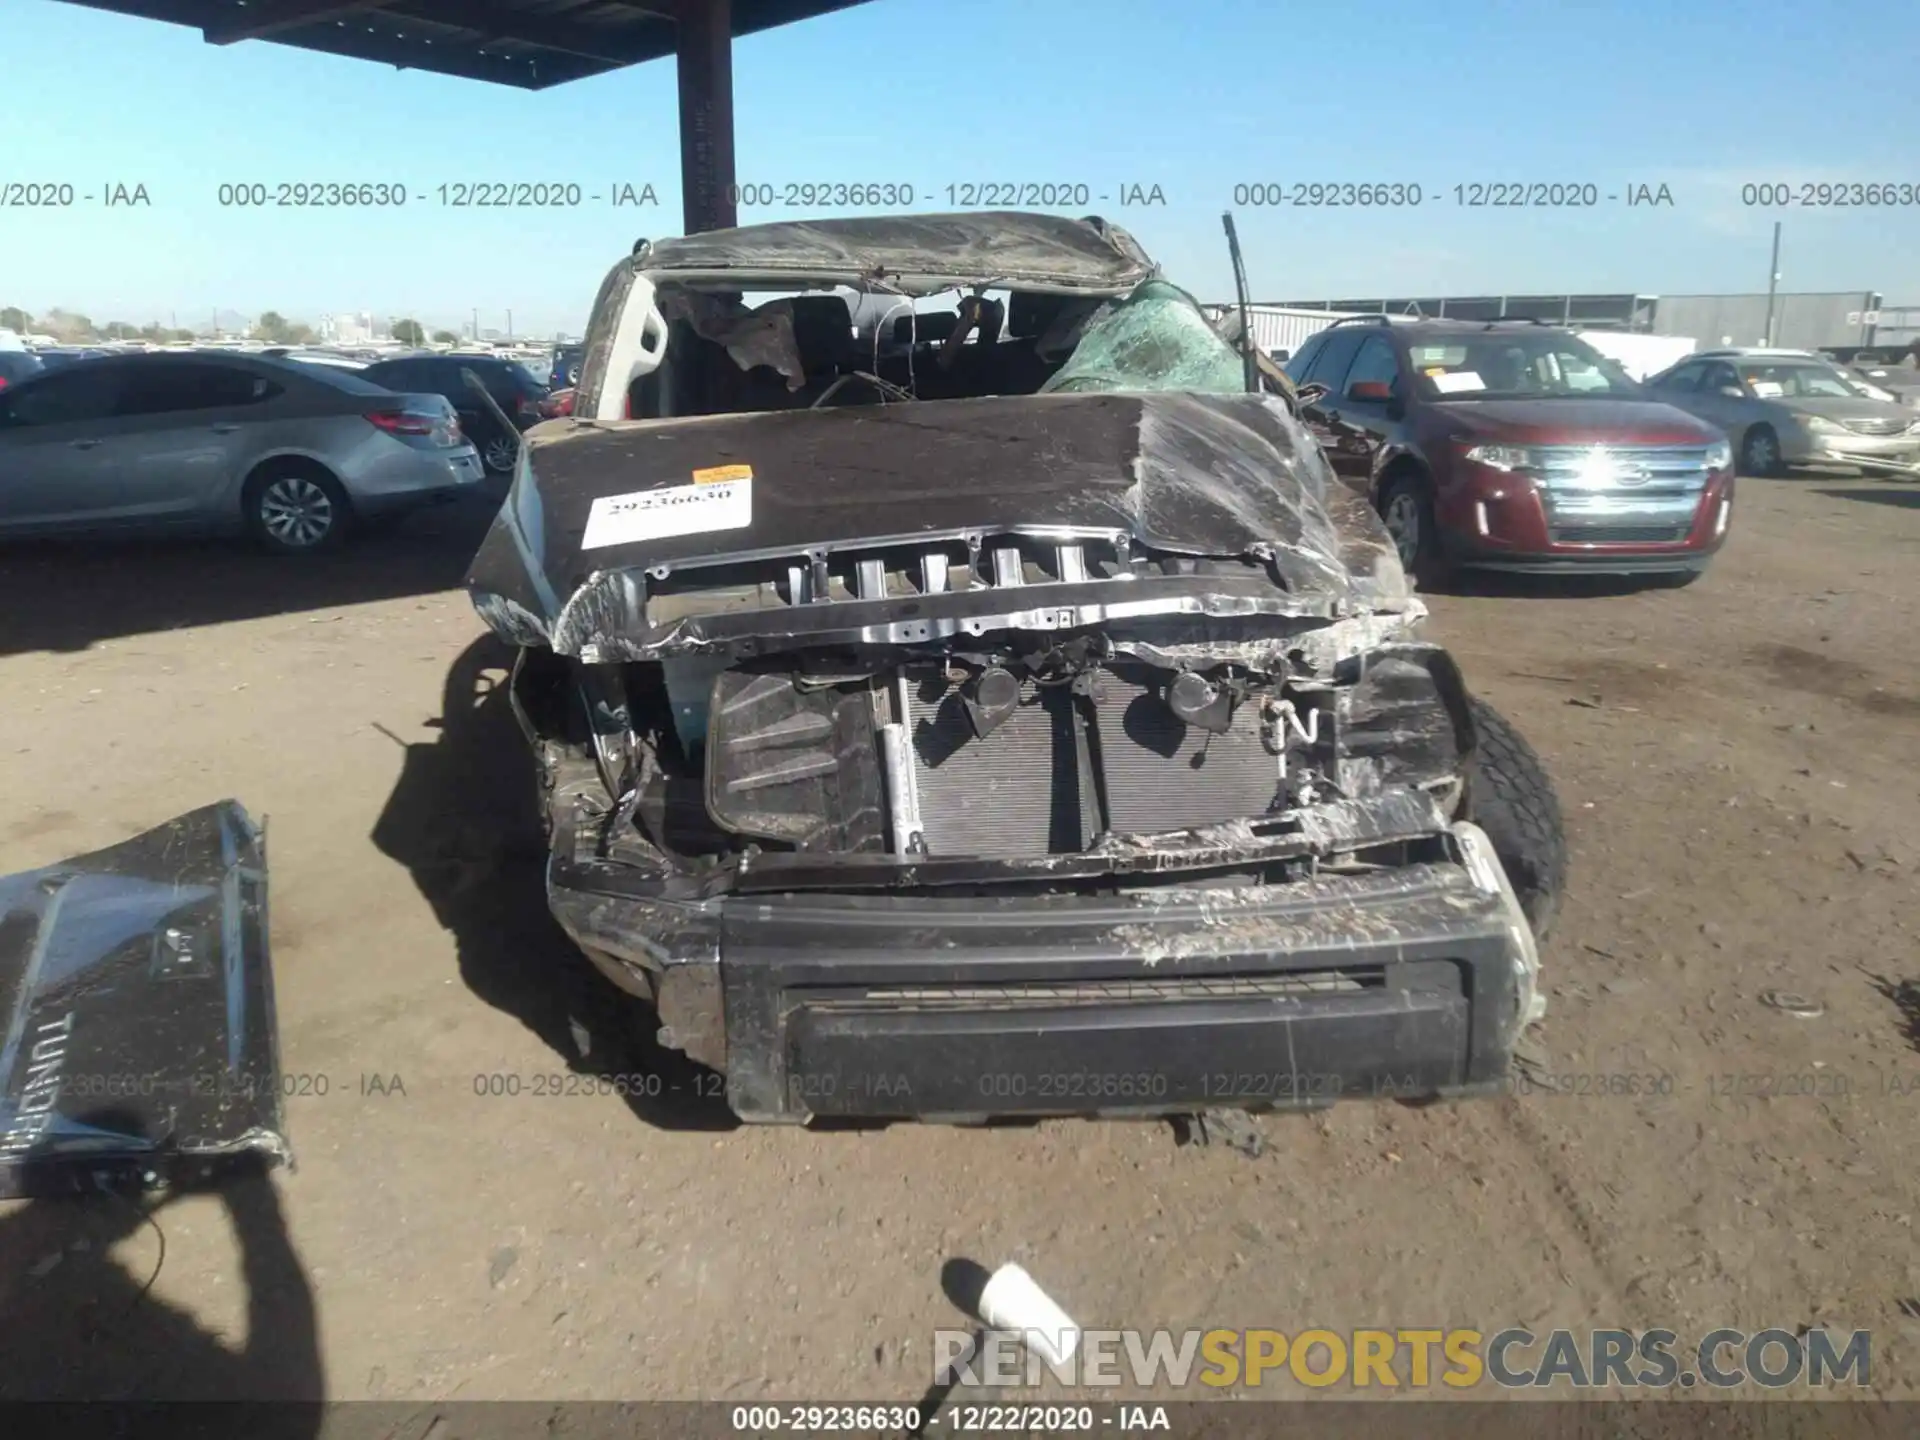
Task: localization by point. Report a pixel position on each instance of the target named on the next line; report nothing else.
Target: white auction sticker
(719, 499)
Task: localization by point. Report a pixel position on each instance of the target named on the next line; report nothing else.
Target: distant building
(352, 329)
(1801, 320)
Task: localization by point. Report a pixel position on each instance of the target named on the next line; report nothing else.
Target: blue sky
(1194, 96)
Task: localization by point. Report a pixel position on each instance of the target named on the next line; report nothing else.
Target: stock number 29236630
(311, 195)
(1329, 194)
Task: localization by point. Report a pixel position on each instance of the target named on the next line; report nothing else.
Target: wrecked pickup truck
(954, 696)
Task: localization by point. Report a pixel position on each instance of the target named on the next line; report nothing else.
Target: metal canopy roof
(533, 44)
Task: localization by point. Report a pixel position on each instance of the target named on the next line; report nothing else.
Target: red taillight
(3, 382)
(404, 422)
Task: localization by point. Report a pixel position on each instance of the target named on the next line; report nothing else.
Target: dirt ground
(1740, 764)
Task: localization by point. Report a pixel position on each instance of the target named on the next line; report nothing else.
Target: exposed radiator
(1017, 791)
(1014, 793)
(1163, 774)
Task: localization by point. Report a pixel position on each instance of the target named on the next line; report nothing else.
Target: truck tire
(1510, 796)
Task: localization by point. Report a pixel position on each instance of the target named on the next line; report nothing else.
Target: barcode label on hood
(662, 514)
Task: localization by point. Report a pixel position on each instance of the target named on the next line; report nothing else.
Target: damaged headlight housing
(1720, 455)
(1820, 425)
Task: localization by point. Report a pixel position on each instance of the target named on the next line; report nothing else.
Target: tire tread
(1511, 797)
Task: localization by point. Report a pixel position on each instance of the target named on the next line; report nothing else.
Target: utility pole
(509, 327)
(1773, 281)
(476, 323)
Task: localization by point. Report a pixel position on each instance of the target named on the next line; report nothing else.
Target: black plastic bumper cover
(1400, 982)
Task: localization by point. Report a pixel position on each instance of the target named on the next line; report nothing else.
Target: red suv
(1514, 445)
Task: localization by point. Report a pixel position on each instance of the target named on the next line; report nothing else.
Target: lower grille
(1109, 992)
(1618, 534)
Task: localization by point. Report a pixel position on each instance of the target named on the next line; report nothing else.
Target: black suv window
(1329, 367)
(403, 375)
(164, 389)
(506, 380)
(1302, 360)
(18, 365)
(1376, 361)
(66, 397)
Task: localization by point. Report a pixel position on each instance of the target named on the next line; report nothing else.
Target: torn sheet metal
(135, 983)
(978, 247)
(1231, 476)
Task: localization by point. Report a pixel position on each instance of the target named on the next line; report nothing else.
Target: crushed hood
(138, 1002)
(1184, 474)
(978, 247)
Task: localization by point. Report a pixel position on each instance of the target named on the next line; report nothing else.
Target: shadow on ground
(1500, 584)
(1901, 499)
(1905, 996)
(463, 818)
(79, 1320)
(67, 595)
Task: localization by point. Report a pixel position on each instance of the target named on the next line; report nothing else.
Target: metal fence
(1279, 327)
(1624, 312)
(1801, 319)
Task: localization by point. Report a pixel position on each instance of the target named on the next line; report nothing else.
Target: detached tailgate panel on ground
(137, 995)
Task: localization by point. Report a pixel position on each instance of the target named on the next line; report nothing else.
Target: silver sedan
(291, 454)
(1791, 407)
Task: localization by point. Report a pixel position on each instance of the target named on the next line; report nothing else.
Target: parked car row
(291, 447)
(510, 385)
(1514, 446)
(291, 454)
(1793, 407)
(1518, 446)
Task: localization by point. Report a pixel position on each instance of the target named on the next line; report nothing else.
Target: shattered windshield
(751, 349)
(1155, 339)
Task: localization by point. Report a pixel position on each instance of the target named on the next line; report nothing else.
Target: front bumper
(1405, 982)
(1501, 520)
(1891, 454)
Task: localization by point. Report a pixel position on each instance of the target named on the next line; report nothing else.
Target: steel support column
(705, 59)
